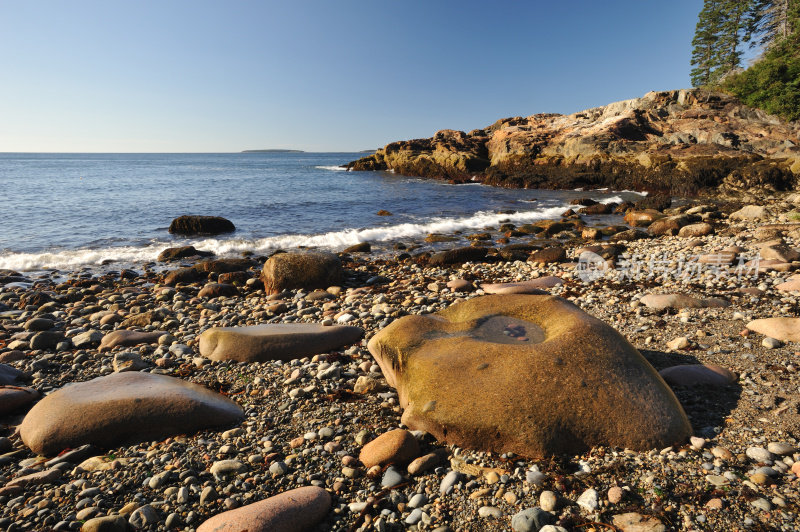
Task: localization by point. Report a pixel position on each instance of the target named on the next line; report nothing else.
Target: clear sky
(323, 75)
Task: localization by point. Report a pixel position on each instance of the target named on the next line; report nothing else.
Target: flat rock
(301, 270)
(534, 286)
(527, 374)
(181, 252)
(278, 341)
(295, 510)
(784, 329)
(124, 338)
(122, 408)
(15, 397)
(662, 301)
(698, 375)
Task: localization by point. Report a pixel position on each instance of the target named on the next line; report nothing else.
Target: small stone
(391, 477)
(771, 343)
(697, 442)
(144, 517)
(588, 500)
(490, 512)
(759, 454)
(548, 501)
(448, 482)
(531, 520)
(678, 343)
(615, 494)
(396, 446)
(225, 468)
(762, 504)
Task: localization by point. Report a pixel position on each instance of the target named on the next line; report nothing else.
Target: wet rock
(201, 225)
(458, 256)
(181, 252)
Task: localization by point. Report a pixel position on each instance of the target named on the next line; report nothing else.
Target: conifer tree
(705, 54)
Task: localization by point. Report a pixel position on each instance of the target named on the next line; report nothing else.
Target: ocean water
(66, 211)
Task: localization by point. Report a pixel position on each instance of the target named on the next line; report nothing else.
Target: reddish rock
(534, 286)
(212, 290)
(548, 255)
(301, 270)
(296, 510)
(394, 447)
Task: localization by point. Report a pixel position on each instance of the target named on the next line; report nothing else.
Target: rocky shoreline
(678, 142)
(330, 424)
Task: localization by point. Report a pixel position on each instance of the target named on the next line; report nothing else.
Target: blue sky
(200, 76)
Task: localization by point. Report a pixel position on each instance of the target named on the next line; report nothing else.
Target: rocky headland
(677, 142)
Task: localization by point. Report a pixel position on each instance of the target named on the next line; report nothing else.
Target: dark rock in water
(458, 255)
(384, 212)
(361, 247)
(181, 253)
(301, 270)
(599, 208)
(548, 255)
(201, 225)
(658, 202)
(583, 202)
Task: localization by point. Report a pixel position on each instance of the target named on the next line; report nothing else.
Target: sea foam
(334, 240)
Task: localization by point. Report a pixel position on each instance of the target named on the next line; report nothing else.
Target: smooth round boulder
(275, 341)
(125, 338)
(530, 374)
(128, 407)
(212, 290)
(10, 375)
(316, 269)
(296, 510)
(458, 256)
(201, 225)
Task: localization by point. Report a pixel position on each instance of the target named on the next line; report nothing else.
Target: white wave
(612, 199)
(335, 240)
(334, 168)
(635, 192)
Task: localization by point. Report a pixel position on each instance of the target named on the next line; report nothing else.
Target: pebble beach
(329, 424)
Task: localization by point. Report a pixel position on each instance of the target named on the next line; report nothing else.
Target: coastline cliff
(677, 142)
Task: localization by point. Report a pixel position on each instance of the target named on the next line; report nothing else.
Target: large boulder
(201, 225)
(531, 374)
(122, 408)
(295, 510)
(275, 341)
(312, 269)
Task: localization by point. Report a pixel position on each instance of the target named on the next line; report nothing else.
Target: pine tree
(769, 21)
(705, 53)
(733, 30)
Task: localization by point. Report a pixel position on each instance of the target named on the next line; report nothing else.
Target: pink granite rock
(296, 510)
(129, 338)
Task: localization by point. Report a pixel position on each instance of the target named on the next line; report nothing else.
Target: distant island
(273, 151)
